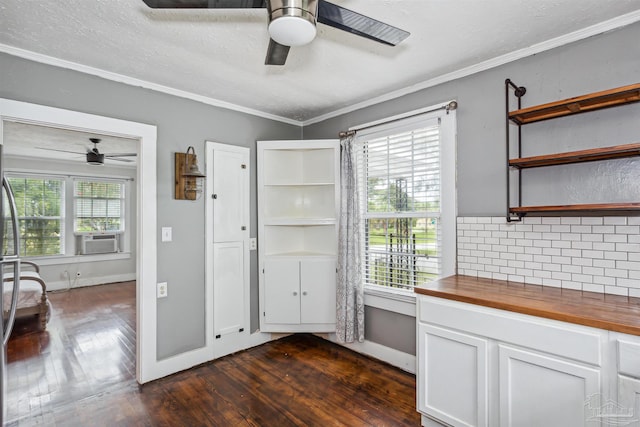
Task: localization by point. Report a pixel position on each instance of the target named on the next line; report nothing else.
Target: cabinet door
(318, 286)
(452, 376)
(543, 390)
(282, 291)
(626, 411)
(230, 299)
(231, 190)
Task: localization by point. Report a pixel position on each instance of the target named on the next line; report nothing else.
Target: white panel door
(281, 291)
(230, 195)
(318, 291)
(227, 267)
(543, 391)
(229, 296)
(453, 376)
(626, 411)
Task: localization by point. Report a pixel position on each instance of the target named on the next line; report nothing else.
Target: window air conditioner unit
(99, 244)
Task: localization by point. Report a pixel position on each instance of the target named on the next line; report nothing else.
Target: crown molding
(599, 28)
(581, 34)
(120, 78)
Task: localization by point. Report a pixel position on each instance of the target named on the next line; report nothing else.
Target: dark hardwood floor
(81, 372)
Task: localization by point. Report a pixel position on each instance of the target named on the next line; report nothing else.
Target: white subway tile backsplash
(596, 254)
(591, 220)
(616, 290)
(615, 220)
(589, 287)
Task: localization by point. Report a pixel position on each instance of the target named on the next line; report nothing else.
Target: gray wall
(598, 63)
(181, 123)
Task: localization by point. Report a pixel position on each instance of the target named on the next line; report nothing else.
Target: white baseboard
(397, 358)
(90, 281)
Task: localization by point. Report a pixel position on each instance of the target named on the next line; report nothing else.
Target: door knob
(304, 292)
(295, 293)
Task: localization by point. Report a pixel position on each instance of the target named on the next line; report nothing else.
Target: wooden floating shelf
(598, 207)
(581, 104)
(590, 155)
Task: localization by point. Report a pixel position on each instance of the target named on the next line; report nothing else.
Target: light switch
(166, 234)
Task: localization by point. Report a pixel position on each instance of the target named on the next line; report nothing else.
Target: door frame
(147, 366)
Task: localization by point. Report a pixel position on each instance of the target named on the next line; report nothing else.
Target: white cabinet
(479, 366)
(456, 365)
(544, 390)
(298, 201)
(296, 292)
(625, 410)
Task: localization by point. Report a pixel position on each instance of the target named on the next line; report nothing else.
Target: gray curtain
(350, 289)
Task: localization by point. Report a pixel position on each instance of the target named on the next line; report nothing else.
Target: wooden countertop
(604, 311)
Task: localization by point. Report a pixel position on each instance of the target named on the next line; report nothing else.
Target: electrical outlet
(253, 244)
(162, 290)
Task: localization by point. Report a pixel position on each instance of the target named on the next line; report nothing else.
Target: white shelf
(298, 254)
(299, 184)
(299, 221)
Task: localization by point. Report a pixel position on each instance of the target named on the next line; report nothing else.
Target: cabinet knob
(295, 293)
(304, 292)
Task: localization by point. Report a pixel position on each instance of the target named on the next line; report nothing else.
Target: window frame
(122, 199)
(71, 243)
(398, 299)
(62, 218)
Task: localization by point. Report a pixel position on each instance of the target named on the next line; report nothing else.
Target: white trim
(599, 28)
(89, 281)
(77, 259)
(397, 358)
(147, 365)
(388, 300)
(578, 35)
(132, 81)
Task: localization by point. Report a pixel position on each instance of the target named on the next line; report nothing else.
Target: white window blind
(99, 206)
(400, 190)
(40, 206)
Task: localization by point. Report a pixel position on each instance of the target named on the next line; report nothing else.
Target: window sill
(400, 301)
(75, 259)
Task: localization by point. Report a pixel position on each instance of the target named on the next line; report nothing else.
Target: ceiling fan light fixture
(292, 30)
(292, 22)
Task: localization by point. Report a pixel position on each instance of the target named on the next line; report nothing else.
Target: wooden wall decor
(182, 161)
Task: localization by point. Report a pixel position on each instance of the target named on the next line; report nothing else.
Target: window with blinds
(40, 208)
(400, 191)
(98, 206)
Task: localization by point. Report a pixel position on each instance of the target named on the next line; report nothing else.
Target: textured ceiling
(218, 55)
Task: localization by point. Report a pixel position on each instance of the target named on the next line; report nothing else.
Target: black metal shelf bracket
(518, 92)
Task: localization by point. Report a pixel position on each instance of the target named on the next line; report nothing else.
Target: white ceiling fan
(94, 156)
(293, 22)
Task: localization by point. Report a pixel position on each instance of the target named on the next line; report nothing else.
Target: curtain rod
(448, 107)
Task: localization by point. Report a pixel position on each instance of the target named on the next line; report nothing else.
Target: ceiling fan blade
(360, 25)
(205, 4)
(119, 160)
(62, 151)
(276, 53)
(121, 155)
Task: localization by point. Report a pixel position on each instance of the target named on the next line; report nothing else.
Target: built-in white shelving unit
(298, 200)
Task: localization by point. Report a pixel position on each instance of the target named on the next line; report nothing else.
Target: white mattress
(30, 294)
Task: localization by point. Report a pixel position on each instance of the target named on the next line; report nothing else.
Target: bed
(32, 295)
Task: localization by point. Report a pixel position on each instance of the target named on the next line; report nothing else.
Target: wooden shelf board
(581, 104)
(590, 155)
(597, 207)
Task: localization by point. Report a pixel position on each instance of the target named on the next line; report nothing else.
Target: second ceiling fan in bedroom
(293, 22)
(94, 156)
